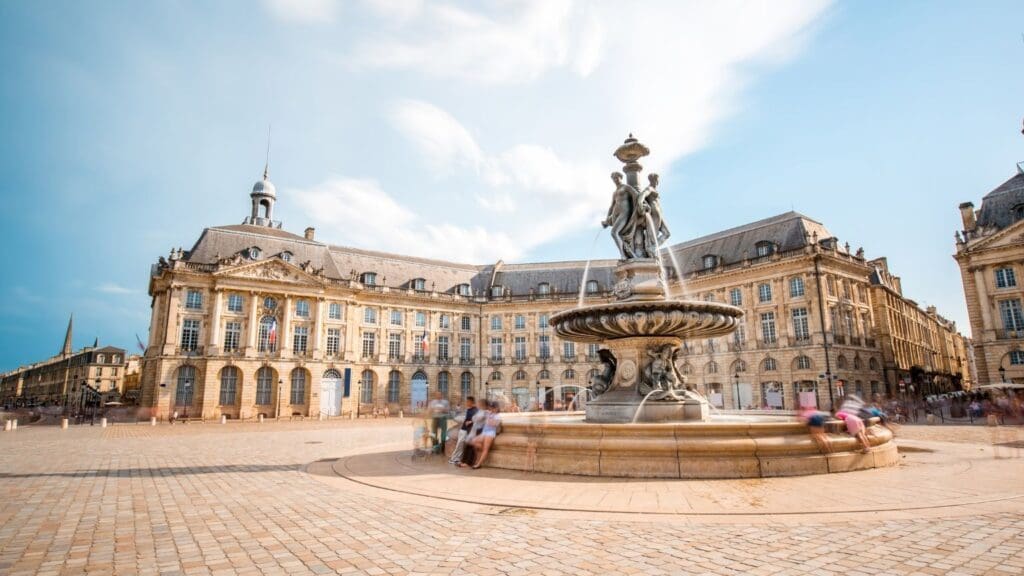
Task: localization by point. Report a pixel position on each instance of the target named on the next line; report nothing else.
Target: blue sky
(475, 131)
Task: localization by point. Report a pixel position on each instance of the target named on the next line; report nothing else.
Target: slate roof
(786, 231)
(997, 207)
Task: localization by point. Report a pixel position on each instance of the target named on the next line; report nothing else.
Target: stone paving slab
(205, 499)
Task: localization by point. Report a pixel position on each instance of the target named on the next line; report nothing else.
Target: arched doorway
(418, 392)
(330, 393)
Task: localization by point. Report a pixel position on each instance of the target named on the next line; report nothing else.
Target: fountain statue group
(638, 228)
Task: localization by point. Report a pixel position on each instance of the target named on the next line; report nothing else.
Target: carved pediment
(271, 270)
(1012, 235)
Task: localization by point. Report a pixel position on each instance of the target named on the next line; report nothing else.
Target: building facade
(67, 377)
(990, 253)
(256, 320)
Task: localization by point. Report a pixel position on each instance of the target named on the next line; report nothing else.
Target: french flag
(272, 335)
(426, 342)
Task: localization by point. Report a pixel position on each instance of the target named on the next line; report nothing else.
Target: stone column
(171, 329)
(986, 315)
(318, 327)
(154, 324)
(284, 339)
(253, 326)
(214, 348)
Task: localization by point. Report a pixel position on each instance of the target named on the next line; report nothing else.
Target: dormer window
(254, 253)
(286, 256)
(592, 287)
(419, 284)
(464, 290)
(497, 291)
(544, 288)
(369, 278)
(764, 249)
(710, 261)
(1018, 212)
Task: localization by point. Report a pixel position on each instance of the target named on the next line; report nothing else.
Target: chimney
(967, 215)
(310, 232)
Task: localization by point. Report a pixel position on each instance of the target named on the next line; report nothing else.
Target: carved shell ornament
(673, 318)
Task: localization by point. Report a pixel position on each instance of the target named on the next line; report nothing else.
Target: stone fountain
(645, 421)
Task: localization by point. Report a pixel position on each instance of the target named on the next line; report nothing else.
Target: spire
(266, 166)
(66, 350)
(96, 342)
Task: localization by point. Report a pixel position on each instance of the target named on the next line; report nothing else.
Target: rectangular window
(235, 302)
(300, 338)
(369, 316)
(334, 311)
(444, 321)
(740, 335)
(542, 321)
(496, 352)
(302, 308)
(520, 322)
(421, 319)
(443, 352)
(1016, 357)
(764, 292)
(465, 348)
(232, 336)
(418, 350)
(796, 287)
(544, 346)
(369, 344)
(396, 317)
(1013, 316)
(520, 347)
(394, 346)
(189, 334)
(768, 334)
(568, 349)
(801, 330)
(467, 323)
(736, 297)
(1005, 278)
(194, 300)
(495, 322)
(592, 351)
(333, 341)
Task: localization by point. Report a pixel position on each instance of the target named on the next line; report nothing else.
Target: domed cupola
(263, 195)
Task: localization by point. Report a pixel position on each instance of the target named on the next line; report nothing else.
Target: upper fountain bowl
(682, 319)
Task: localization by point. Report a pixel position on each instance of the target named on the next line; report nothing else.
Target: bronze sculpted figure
(637, 225)
(621, 216)
(600, 383)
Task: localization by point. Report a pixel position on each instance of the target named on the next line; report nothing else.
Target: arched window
(711, 367)
(569, 375)
(100, 358)
(264, 385)
(366, 382)
(873, 364)
(841, 361)
(856, 362)
(228, 386)
(186, 385)
(394, 386)
(519, 375)
(298, 386)
(286, 256)
(254, 253)
(442, 383)
(544, 375)
(770, 364)
(467, 384)
(495, 376)
(803, 363)
(331, 373)
(739, 366)
(268, 334)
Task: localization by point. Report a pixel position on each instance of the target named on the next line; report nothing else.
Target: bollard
(930, 418)
(14, 424)
(320, 416)
(152, 420)
(401, 414)
(8, 426)
(63, 423)
(261, 418)
(992, 420)
(223, 418)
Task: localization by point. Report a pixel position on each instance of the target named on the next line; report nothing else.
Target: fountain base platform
(727, 446)
(623, 405)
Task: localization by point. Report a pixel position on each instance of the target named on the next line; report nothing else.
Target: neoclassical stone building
(990, 252)
(256, 320)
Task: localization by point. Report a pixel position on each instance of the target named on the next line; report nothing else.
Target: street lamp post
(736, 380)
(277, 412)
(1002, 375)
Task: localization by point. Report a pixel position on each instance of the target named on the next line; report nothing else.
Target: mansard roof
(787, 231)
(997, 207)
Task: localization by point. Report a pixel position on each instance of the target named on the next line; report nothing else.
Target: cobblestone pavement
(211, 499)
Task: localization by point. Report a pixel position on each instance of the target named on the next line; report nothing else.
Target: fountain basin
(654, 318)
(754, 447)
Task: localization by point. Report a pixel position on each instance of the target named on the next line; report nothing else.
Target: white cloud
(442, 139)
(112, 288)
(304, 11)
